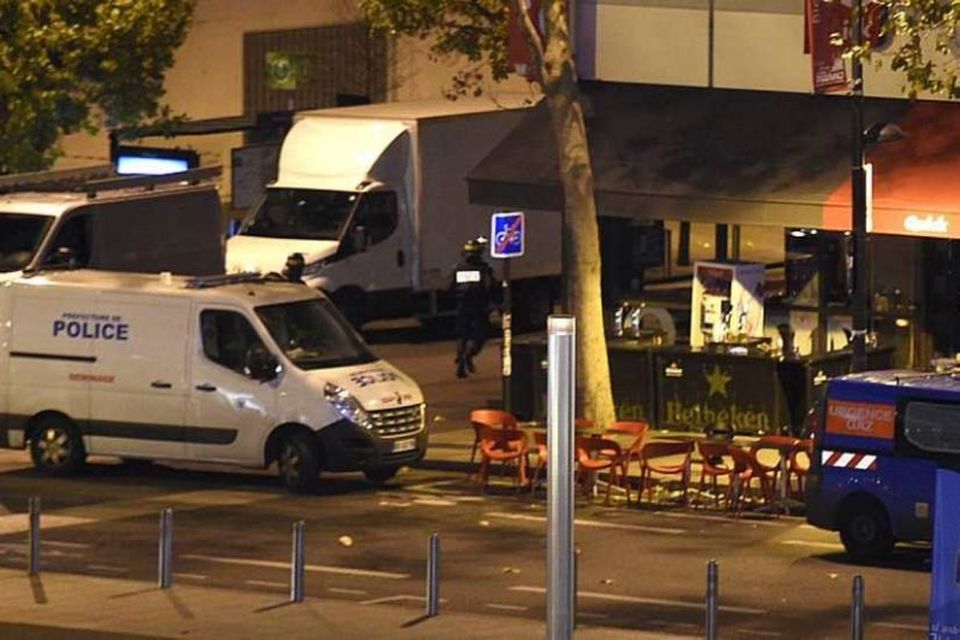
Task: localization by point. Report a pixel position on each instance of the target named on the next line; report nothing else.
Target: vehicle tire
(865, 532)
(298, 463)
(56, 446)
(380, 476)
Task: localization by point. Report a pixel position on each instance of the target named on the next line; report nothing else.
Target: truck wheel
(380, 476)
(298, 463)
(865, 532)
(56, 447)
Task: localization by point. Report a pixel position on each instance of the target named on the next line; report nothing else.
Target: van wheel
(298, 463)
(380, 476)
(56, 447)
(865, 532)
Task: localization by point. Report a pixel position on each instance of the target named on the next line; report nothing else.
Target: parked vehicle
(136, 224)
(375, 197)
(880, 438)
(227, 369)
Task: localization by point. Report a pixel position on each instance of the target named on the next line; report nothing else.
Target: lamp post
(858, 198)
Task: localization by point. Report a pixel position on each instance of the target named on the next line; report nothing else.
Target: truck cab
(879, 440)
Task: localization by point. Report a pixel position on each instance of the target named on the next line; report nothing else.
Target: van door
(229, 413)
(138, 384)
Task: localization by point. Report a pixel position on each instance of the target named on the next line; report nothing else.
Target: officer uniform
(475, 286)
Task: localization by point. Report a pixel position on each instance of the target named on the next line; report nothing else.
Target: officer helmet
(472, 247)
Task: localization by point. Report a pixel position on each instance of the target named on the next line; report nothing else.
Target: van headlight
(347, 405)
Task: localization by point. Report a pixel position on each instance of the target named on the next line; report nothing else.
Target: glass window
(933, 427)
(378, 214)
(227, 337)
(313, 335)
(74, 236)
(306, 214)
(20, 236)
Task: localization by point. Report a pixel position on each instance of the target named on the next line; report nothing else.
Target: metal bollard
(433, 575)
(34, 550)
(561, 391)
(165, 551)
(296, 564)
(713, 580)
(856, 609)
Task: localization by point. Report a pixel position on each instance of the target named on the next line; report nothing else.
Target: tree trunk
(594, 395)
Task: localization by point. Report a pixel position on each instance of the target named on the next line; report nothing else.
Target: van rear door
(138, 385)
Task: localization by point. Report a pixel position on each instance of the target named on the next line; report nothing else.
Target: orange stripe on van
(862, 419)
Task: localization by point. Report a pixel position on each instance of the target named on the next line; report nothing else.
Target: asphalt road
(639, 569)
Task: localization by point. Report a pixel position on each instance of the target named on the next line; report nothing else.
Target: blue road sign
(507, 235)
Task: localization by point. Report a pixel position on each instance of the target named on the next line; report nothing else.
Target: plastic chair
(595, 454)
(743, 471)
(714, 466)
(652, 456)
(492, 418)
(638, 430)
(504, 446)
(799, 465)
(770, 471)
(540, 442)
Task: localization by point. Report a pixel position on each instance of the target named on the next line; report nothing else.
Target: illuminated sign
(926, 224)
(863, 419)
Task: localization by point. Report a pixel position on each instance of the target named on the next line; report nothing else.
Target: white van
(227, 369)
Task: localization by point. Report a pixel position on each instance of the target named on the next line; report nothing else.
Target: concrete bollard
(297, 564)
(33, 559)
(713, 584)
(165, 550)
(856, 609)
(433, 575)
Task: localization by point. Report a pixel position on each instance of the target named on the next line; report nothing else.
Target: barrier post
(165, 554)
(856, 609)
(33, 560)
(433, 575)
(561, 388)
(713, 581)
(296, 564)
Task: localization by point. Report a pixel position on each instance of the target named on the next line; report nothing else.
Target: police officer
(475, 286)
(293, 269)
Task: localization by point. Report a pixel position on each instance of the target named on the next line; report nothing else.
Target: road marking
(729, 520)
(639, 600)
(64, 545)
(318, 568)
(435, 502)
(505, 607)
(756, 632)
(212, 498)
(107, 568)
(401, 598)
(20, 522)
(349, 592)
(900, 625)
(813, 543)
(588, 616)
(190, 576)
(587, 523)
(266, 583)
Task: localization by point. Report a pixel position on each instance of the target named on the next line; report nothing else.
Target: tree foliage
(924, 45)
(72, 65)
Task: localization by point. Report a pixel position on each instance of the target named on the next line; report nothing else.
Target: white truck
(144, 224)
(227, 369)
(375, 198)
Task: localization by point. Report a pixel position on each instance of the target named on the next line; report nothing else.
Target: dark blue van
(879, 438)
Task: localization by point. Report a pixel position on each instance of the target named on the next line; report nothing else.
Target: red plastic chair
(770, 471)
(491, 418)
(540, 442)
(595, 454)
(638, 430)
(799, 465)
(743, 471)
(714, 465)
(652, 456)
(505, 446)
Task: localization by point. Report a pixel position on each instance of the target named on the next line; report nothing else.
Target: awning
(737, 157)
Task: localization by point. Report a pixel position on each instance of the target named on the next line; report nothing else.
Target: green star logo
(718, 381)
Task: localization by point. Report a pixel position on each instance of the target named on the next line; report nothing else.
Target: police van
(879, 440)
(228, 369)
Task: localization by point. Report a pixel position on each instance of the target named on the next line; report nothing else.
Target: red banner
(518, 49)
(824, 21)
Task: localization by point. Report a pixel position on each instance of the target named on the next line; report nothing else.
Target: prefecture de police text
(91, 327)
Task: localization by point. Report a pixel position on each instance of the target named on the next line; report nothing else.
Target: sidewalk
(75, 607)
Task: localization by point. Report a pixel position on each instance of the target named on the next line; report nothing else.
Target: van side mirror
(62, 257)
(261, 364)
(360, 238)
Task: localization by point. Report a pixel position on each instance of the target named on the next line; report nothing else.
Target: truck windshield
(20, 236)
(313, 335)
(304, 214)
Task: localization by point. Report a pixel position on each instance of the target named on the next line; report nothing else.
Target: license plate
(408, 444)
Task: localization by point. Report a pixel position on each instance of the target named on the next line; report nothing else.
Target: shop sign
(929, 223)
(861, 419)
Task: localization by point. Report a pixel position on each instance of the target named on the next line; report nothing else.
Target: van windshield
(304, 214)
(313, 335)
(20, 236)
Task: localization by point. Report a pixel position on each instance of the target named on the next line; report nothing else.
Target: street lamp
(876, 134)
